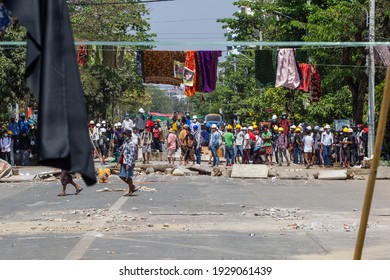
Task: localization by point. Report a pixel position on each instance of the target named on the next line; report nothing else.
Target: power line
(116, 3)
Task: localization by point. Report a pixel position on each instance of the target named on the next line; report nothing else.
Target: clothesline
(218, 43)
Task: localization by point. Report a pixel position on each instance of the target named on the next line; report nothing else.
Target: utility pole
(371, 81)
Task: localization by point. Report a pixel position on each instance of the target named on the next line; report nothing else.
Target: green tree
(342, 69)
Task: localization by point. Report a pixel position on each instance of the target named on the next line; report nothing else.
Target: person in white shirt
(308, 147)
(127, 123)
(327, 143)
(5, 146)
(195, 123)
(246, 146)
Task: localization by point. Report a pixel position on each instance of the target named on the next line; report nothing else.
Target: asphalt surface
(196, 217)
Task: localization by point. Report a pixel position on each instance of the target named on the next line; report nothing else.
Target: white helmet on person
(103, 130)
(214, 125)
(293, 127)
(98, 125)
(141, 110)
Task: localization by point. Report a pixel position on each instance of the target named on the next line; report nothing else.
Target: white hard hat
(321, 129)
(103, 130)
(327, 126)
(91, 122)
(293, 126)
(244, 128)
(274, 117)
(103, 122)
(141, 110)
(308, 128)
(98, 124)
(250, 128)
(194, 117)
(213, 125)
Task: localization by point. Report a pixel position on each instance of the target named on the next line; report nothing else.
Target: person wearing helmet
(267, 140)
(14, 127)
(238, 144)
(317, 138)
(327, 144)
(182, 144)
(282, 145)
(354, 147)
(229, 151)
(297, 145)
(291, 137)
(275, 135)
(127, 123)
(215, 143)
(246, 146)
(172, 145)
(23, 123)
(193, 123)
(140, 120)
(103, 144)
(308, 147)
(345, 147)
(198, 139)
(274, 121)
(285, 123)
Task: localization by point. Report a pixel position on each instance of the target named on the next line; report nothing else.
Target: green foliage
(343, 71)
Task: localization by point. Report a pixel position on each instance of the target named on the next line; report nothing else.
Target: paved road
(197, 217)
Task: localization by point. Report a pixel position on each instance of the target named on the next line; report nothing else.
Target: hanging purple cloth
(287, 74)
(208, 62)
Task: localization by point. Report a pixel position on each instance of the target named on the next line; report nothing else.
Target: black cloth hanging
(53, 76)
(265, 67)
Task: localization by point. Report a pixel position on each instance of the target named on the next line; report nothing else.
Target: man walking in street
(127, 166)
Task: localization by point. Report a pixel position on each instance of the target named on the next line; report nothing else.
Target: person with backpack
(198, 144)
(103, 144)
(158, 138)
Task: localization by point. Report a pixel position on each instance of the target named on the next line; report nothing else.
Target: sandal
(78, 191)
(61, 194)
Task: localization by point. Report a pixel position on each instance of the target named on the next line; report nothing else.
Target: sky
(186, 21)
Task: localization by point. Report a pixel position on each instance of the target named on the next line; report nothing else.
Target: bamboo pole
(374, 167)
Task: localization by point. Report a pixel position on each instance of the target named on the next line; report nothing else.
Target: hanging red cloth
(306, 76)
(191, 64)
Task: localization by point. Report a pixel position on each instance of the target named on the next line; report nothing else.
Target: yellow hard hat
(9, 132)
(345, 129)
(255, 127)
(253, 123)
(276, 127)
(298, 130)
(238, 126)
(281, 129)
(229, 127)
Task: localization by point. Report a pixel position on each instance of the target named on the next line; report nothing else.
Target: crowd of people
(18, 141)
(276, 141)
